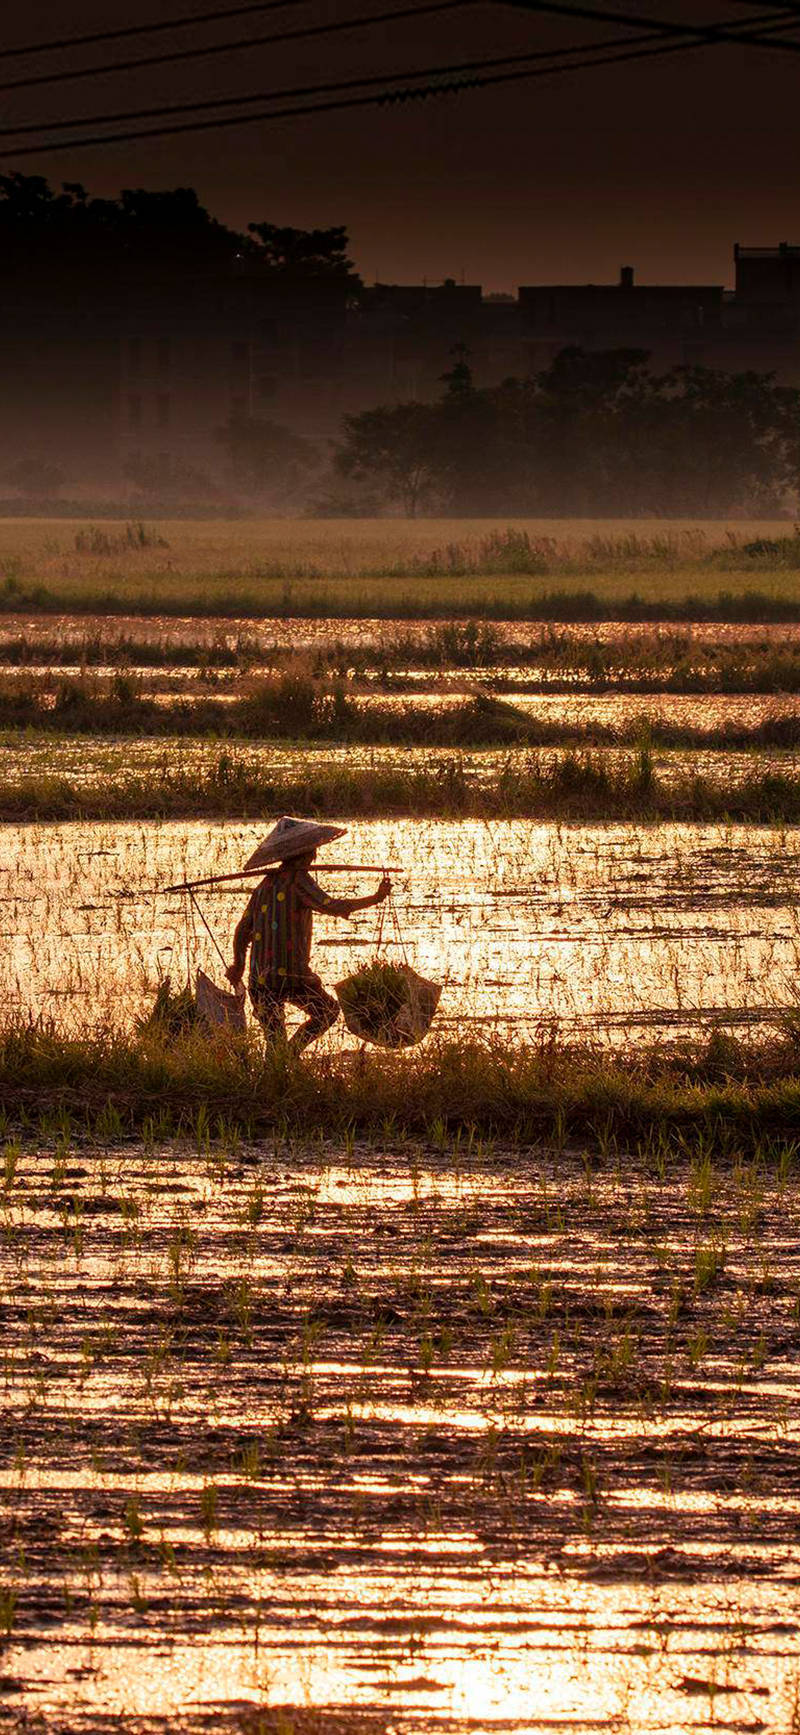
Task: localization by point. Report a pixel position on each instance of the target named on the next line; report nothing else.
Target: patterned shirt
(277, 926)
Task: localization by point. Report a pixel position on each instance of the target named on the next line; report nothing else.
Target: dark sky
(662, 164)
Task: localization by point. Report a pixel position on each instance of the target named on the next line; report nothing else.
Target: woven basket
(394, 1016)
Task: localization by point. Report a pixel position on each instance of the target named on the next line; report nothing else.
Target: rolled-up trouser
(306, 992)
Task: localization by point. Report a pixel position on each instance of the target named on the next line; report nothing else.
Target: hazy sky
(662, 164)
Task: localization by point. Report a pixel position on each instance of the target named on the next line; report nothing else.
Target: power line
(64, 75)
(219, 15)
(790, 7)
(663, 26)
(608, 56)
(160, 24)
(483, 64)
(722, 33)
(426, 72)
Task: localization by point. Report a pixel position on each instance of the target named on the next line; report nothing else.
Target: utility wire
(383, 98)
(793, 8)
(222, 13)
(426, 72)
(663, 26)
(64, 76)
(723, 33)
(771, 23)
(450, 69)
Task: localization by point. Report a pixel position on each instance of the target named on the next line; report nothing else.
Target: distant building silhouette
(676, 324)
(763, 313)
(144, 384)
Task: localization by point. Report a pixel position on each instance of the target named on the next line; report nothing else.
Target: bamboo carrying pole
(338, 867)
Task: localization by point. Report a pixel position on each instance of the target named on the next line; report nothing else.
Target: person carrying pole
(277, 928)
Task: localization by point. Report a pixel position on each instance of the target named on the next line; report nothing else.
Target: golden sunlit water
(609, 927)
(487, 1437)
(297, 632)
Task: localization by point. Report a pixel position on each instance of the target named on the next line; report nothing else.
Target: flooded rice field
(414, 1437)
(620, 714)
(320, 1441)
(267, 634)
(604, 928)
(91, 762)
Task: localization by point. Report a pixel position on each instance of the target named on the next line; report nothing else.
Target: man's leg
(269, 1012)
(322, 1009)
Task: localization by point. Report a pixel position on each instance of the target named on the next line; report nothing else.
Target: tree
(44, 233)
(477, 460)
(598, 380)
(299, 254)
(595, 433)
(739, 435)
(267, 457)
(34, 476)
(69, 231)
(397, 446)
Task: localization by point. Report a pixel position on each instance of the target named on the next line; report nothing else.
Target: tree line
(46, 236)
(594, 434)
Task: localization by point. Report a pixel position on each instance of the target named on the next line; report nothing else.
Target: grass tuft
(491, 1087)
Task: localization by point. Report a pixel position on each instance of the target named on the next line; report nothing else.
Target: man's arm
(241, 940)
(319, 900)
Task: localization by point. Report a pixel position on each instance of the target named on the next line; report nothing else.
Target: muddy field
(438, 1437)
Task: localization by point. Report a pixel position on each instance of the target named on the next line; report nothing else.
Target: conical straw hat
(293, 837)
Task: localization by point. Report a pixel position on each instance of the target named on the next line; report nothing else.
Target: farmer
(277, 924)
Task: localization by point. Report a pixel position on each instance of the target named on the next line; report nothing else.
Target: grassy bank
(720, 1093)
(559, 569)
(693, 597)
(478, 722)
(310, 713)
(570, 786)
(289, 707)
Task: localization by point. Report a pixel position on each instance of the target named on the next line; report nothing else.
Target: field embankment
(739, 1095)
(311, 713)
(543, 657)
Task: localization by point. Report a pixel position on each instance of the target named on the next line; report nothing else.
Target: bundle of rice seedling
(388, 1004)
(172, 1014)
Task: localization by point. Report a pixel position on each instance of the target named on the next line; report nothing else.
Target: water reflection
(213, 1507)
(270, 633)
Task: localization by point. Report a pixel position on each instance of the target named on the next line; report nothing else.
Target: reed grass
(112, 648)
(563, 661)
(296, 705)
(601, 569)
(292, 705)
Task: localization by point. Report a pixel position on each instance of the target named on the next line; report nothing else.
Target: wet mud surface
(407, 1437)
